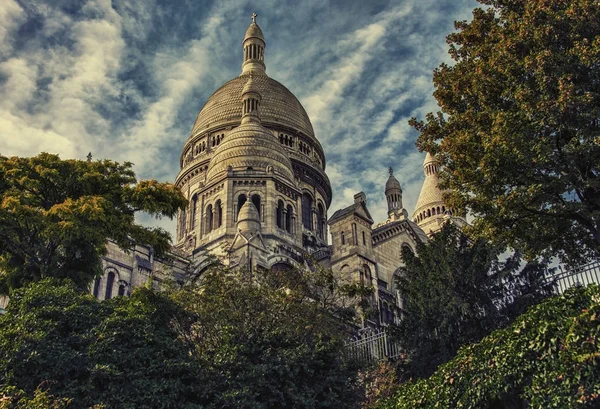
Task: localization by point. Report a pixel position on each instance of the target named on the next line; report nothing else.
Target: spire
(251, 99)
(254, 49)
(393, 194)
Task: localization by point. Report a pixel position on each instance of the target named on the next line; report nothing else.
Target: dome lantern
(251, 99)
(254, 49)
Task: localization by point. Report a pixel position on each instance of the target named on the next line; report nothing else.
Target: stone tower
(393, 195)
(253, 172)
(430, 211)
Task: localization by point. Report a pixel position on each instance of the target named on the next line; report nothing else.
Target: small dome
(248, 218)
(254, 31)
(392, 183)
(251, 86)
(250, 147)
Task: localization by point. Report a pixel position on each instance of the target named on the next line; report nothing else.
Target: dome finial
(391, 171)
(254, 15)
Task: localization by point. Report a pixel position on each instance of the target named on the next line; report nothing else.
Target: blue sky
(126, 79)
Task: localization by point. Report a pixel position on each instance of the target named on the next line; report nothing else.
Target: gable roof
(358, 209)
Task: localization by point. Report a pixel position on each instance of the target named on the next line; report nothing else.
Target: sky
(125, 80)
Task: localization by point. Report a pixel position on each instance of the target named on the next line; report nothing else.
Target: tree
(547, 358)
(121, 353)
(56, 216)
(270, 339)
(455, 292)
(519, 127)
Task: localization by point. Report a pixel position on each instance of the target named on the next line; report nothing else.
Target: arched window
(368, 275)
(209, 218)
(219, 213)
(320, 222)
(289, 224)
(193, 211)
(96, 287)
(256, 202)
(343, 238)
(354, 235)
(279, 214)
(110, 279)
(307, 202)
(364, 239)
(121, 290)
(241, 200)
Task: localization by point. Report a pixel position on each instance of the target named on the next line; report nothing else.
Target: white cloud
(11, 15)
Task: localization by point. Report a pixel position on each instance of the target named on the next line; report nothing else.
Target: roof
(254, 31)
(278, 106)
(359, 209)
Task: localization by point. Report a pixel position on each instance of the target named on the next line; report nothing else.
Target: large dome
(278, 107)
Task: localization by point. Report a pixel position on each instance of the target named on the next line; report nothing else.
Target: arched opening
(209, 218)
(289, 217)
(364, 239)
(96, 287)
(256, 202)
(279, 214)
(307, 203)
(321, 221)
(110, 280)
(343, 238)
(194, 209)
(121, 290)
(241, 200)
(219, 213)
(354, 234)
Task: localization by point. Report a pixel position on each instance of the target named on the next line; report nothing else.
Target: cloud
(126, 81)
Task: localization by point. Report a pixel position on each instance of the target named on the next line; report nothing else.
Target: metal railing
(372, 345)
(583, 275)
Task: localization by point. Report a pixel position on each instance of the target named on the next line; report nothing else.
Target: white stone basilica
(254, 174)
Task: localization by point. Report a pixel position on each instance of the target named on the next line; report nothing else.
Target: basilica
(254, 174)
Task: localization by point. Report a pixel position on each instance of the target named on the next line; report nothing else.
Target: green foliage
(269, 339)
(456, 292)
(121, 353)
(40, 400)
(548, 358)
(56, 215)
(518, 132)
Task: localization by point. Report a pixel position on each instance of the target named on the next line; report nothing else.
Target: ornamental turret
(393, 195)
(254, 49)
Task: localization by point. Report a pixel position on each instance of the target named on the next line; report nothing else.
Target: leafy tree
(270, 339)
(518, 132)
(56, 215)
(121, 353)
(455, 292)
(547, 358)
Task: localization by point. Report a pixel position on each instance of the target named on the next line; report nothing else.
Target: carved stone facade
(253, 172)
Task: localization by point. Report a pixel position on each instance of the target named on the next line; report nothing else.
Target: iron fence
(372, 345)
(583, 275)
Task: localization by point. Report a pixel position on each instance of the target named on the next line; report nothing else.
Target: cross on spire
(391, 171)
(254, 15)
